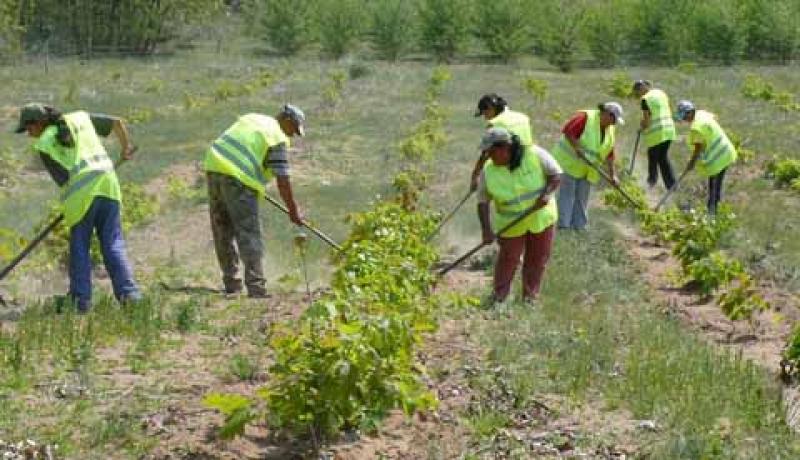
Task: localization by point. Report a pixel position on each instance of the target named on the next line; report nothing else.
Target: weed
(242, 367)
(620, 85)
(536, 88)
(186, 315)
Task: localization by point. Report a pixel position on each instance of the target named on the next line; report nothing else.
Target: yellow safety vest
(91, 171)
(516, 123)
(597, 149)
(719, 152)
(662, 127)
(513, 192)
(240, 151)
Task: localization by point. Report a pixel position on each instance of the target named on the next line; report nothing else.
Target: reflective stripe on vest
(662, 127)
(91, 173)
(515, 192)
(596, 146)
(719, 152)
(240, 152)
(253, 169)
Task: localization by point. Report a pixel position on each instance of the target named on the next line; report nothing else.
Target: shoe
(258, 295)
(529, 302)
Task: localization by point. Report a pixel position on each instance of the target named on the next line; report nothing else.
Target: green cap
(30, 113)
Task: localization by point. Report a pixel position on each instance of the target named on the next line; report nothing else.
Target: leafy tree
(340, 23)
(719, 31)
(287, 26)
(773, 31)
(445, 26)
(504, 26)
(610, 29)
(393, 21)
(561, 24)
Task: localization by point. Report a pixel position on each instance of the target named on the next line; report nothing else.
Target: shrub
(444, 26)
(741, 299)
(504, 27)
(609, 30)
(772, 32)
(392, 29)
(719, 32)
(560, 26)
(613, 198)
(536, 88)
(784, 171)
(339, 23)
(620, 85)
(286, 25)
(713, 271)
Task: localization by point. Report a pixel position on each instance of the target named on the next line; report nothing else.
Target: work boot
(258, 294)
(233, 287)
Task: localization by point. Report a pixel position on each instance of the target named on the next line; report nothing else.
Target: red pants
(537, 248)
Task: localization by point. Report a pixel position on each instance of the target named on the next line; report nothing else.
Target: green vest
(513, 192)
(516, 123)
(662, 127)
(91, 171)
(240, 151)
(719, 152)
(596, 147)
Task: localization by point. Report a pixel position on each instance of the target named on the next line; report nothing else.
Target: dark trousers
(103, 217)
(657, 159)
(715, 191)
(237, 233)
(536, 248)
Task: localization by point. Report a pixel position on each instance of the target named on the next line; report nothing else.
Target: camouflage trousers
(235, 225)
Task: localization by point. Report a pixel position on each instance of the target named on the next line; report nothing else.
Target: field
(617, 359)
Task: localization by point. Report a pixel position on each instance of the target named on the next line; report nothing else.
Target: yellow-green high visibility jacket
(516, 123)
(513, 192)
(91, 171)
(718, 151)
(240, 151)
(597, 149)
(662, 127)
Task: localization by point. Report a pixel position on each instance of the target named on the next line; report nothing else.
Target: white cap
(616, 110)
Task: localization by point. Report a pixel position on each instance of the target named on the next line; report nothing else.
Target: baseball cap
(616, 110)
(684, 107)
(297, 116)
(30, 113)
(494, 136)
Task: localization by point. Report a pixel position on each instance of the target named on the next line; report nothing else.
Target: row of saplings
(696, 239)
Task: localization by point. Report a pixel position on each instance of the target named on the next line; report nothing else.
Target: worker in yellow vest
(239, 165)
(515, 179)
(588, 135)
(658, 129)
(712, 150)
(72, 152)
(494, 109)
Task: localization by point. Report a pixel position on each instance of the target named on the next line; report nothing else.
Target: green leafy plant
(339, 24)
(741, 299)
(536, 88)
(620, 85)
(287, 26)
(504, 27)
(392, 23)
(784, 171)
(444, 26)
(242, 367)
(237, 409)
(713, 271)
(613, 198)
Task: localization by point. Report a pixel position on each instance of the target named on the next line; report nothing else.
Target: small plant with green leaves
(611, 197)
(712, 271)
(332, 91)
(536, 88)
(741, 299)
(783, 171)
(242, 367)
(620, 85)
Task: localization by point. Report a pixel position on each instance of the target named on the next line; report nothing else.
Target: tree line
(565, 32)
(603, 32)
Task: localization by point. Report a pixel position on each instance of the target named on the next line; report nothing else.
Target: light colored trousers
(573, 202)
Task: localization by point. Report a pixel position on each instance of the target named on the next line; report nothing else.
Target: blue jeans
(104, 217)
(573, 202)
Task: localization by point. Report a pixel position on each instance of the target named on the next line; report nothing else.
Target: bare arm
(646, 117)
(476, 171)
(121, 131)
(486, 224)
(285, 190)
(698, 149)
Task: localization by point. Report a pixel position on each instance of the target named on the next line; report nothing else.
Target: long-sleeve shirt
(103, 125)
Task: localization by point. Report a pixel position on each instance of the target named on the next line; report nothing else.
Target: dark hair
(516, 153)
(55, 118)
(638, 84)
(494, 101)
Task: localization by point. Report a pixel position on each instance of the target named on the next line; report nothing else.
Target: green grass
(588, 328)
(590, 337)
